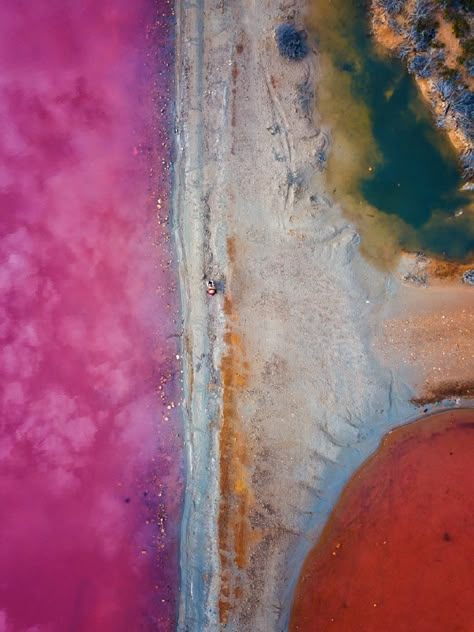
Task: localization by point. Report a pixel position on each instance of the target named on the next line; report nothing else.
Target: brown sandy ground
(428, 329)
(289, 377)
(280, 378)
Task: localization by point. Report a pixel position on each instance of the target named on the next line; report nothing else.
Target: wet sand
(90, 457)
(396, 554)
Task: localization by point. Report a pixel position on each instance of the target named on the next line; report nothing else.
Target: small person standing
(211, 288)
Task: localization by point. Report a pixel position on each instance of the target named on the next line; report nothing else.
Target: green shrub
(460, 26)
(468, 47)
(449, 73)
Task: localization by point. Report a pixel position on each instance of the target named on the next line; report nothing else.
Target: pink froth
(90, 455)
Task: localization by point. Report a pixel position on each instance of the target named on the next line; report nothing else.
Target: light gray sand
(315, 399)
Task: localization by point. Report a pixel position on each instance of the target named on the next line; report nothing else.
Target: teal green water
(415, 175)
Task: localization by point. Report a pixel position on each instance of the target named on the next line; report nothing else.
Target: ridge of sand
(199, 555)
(285, 389)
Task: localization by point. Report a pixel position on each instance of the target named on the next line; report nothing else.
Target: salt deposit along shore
(289, 380)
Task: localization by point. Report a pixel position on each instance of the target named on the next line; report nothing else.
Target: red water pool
(90, 457)
(398, 552)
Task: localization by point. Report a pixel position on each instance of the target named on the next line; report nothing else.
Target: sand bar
(286, 389)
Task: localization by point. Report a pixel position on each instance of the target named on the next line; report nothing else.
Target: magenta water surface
(90, 454)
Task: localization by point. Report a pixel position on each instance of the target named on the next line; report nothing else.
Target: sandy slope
(284, 393)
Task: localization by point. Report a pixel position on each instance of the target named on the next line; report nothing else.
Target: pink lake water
(90, 454)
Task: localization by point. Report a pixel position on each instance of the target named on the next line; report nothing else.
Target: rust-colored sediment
(437, 271)
(239, 49)
(447, 270)
(236, 498)
(445, 390)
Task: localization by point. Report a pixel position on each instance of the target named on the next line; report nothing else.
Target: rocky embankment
(435, 39)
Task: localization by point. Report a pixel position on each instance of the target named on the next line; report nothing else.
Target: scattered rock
(468, 277)
(416, 279)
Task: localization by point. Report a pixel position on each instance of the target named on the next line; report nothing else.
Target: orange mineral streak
(447, 270)
(397, 553)
(448, 389)
(438, 271)
(235, 533)
(231, 249)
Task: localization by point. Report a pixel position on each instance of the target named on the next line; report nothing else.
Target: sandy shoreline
(286, 387)
(198, 559)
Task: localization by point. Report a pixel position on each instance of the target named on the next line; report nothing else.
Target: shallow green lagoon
(393, 171)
